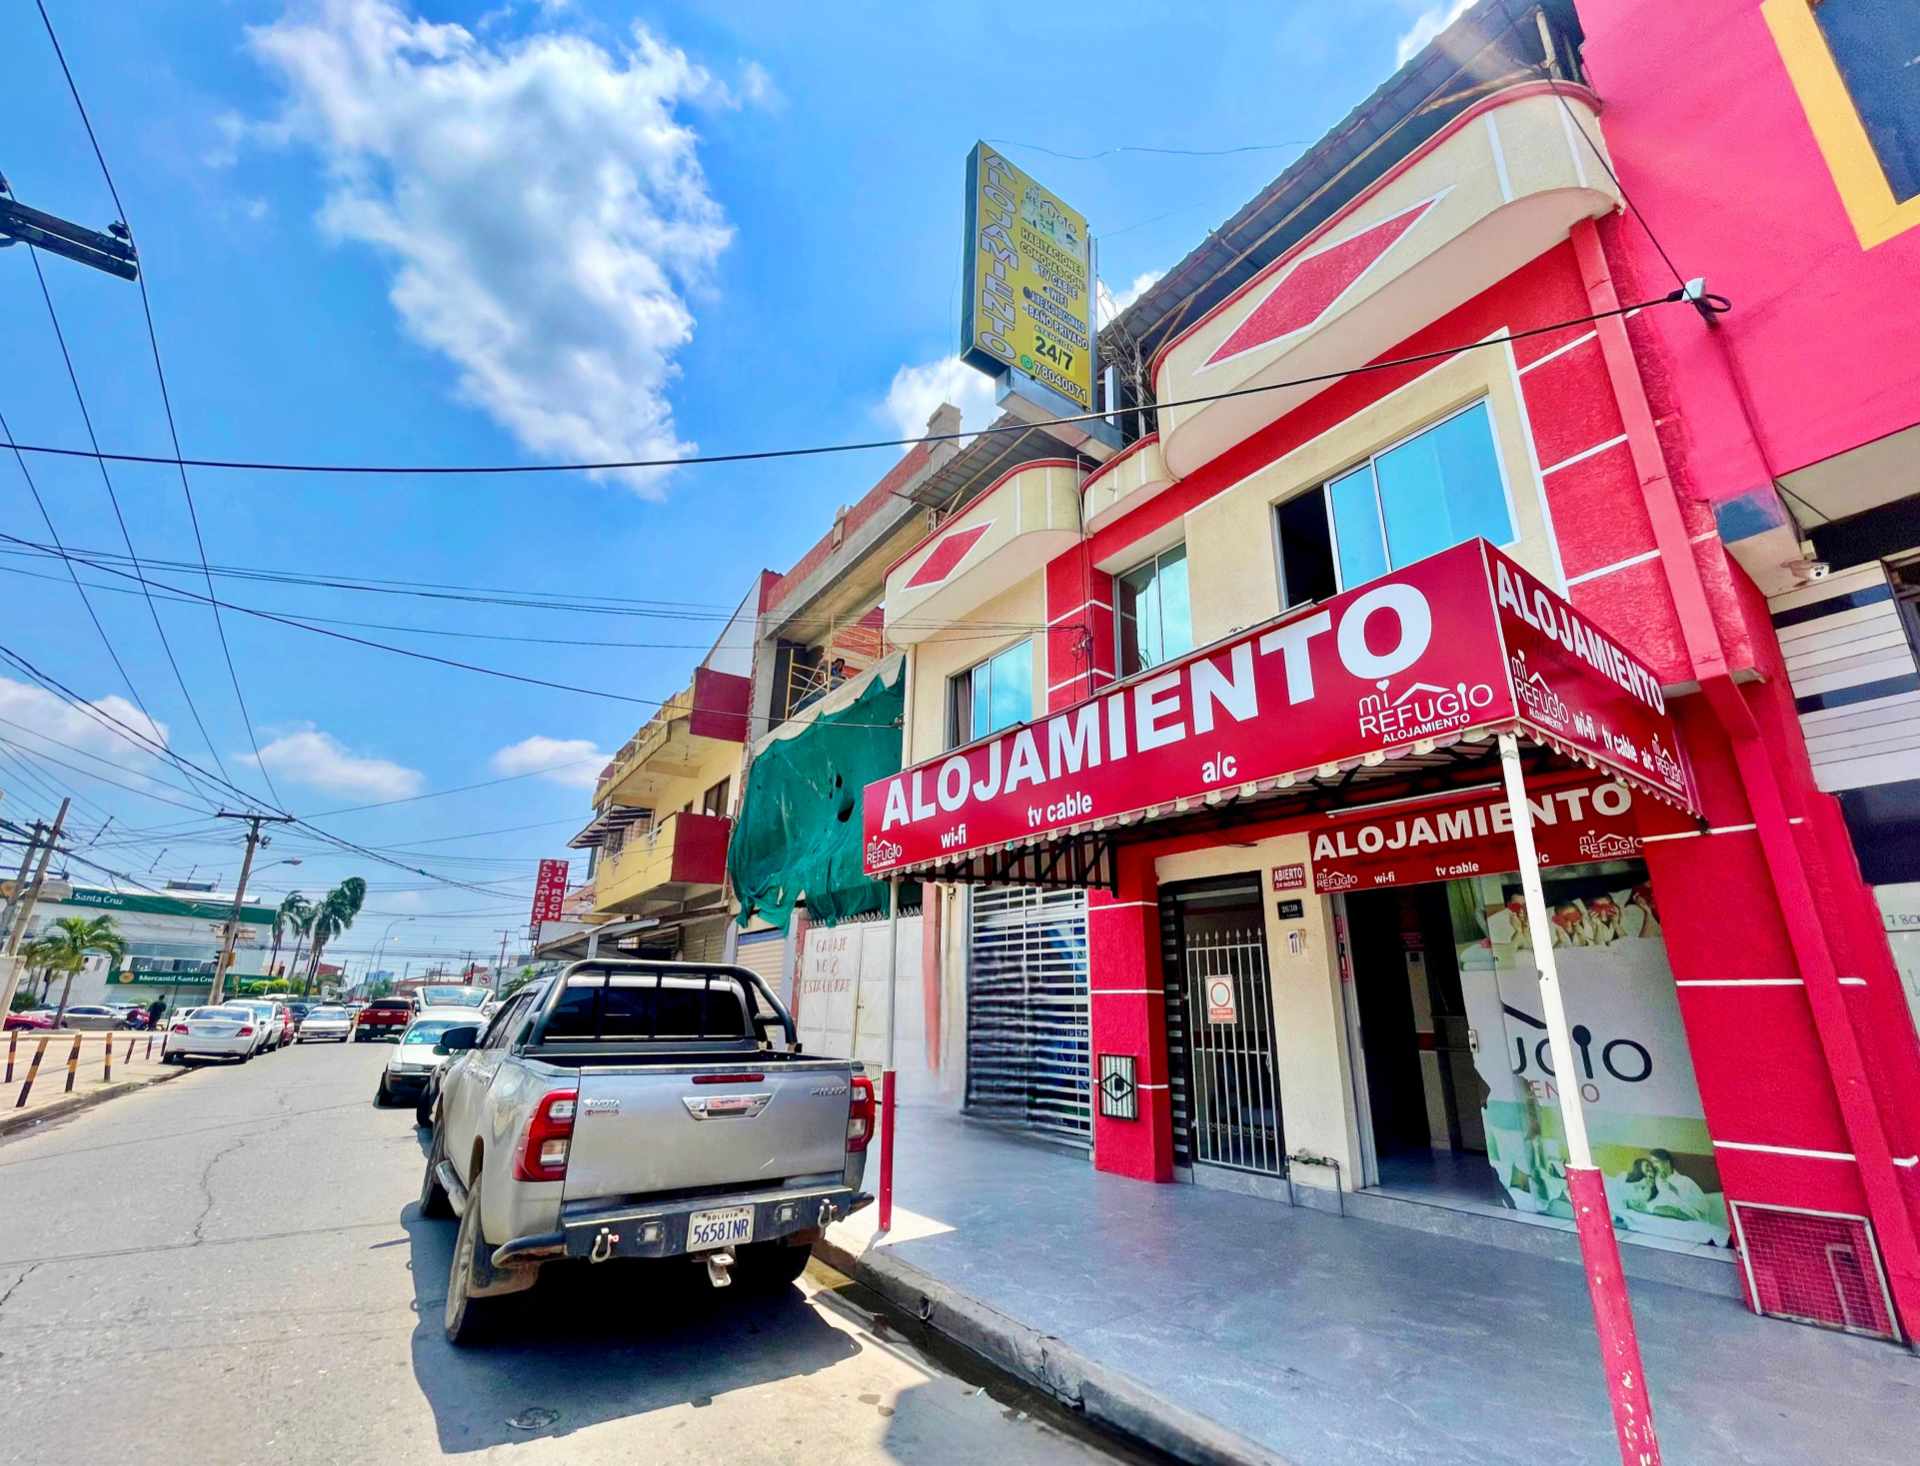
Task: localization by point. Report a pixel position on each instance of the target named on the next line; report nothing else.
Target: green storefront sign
(165, 905)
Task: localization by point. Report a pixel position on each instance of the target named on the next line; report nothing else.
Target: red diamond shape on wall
(947, 555)
(1315, 284)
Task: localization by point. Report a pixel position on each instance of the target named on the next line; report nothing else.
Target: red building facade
(1479, 340)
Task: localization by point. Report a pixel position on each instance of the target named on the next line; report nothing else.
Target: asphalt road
(228, 1267)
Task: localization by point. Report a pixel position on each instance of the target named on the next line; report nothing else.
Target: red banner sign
(1423, 653)
(1446, 839)
(549, 891)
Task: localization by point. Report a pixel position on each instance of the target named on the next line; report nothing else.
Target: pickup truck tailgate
(645, 1129)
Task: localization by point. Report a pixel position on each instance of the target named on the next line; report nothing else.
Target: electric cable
(166, 399)
(762, 455)
(86, 418)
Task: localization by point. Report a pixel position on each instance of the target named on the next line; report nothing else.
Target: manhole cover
(538, 1418)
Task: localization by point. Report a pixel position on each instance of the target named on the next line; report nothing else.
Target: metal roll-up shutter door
(765, 954)
(704, 941)
(1028, 1060)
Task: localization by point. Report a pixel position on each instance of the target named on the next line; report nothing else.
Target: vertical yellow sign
(1029, 280)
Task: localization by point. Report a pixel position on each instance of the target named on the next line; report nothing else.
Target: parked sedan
(325, 1025)
(266, 1023)
(413, 1061)
(227, 1032)
(91, 1018)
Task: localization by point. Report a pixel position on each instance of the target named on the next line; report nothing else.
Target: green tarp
(798, 832)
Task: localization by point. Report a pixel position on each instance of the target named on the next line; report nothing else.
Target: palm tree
(288, 917)
(333, 915)
(65, 946)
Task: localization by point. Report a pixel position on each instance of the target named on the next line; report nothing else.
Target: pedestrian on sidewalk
(154, 1011)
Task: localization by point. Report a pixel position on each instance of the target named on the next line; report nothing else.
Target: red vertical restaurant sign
(549, 891)
(1462, 641)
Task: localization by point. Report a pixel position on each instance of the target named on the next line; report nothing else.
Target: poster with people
(1634, 1073)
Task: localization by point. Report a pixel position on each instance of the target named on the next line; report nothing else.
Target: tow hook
(720, 1268)
(828, 1211)
(603, 1246)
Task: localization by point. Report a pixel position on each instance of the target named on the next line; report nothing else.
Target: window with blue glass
(1427, 492)
(1876, 47)
(1152, 621)
(990, 695)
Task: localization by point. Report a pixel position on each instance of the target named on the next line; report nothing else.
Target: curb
(11, 1124)
(1104, 1395)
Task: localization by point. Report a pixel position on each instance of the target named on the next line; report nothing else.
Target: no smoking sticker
(1222, 1005)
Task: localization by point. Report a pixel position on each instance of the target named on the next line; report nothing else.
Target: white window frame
(958, 737)
(1325, 483)
(1119, 668)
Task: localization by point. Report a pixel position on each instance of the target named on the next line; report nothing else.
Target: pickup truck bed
(641, 1110)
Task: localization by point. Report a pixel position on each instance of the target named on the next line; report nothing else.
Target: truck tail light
(860, 1114)
(543, 1154)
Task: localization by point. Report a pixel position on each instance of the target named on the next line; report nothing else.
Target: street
(228, 1267)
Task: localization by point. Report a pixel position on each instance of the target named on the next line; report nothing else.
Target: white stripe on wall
(1814, 1155)
(1584, 576)
(1586, 454)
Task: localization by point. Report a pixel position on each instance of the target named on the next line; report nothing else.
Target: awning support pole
(1599, 1248)
(886, 1074)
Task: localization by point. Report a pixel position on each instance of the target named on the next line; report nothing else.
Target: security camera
(1810, 570)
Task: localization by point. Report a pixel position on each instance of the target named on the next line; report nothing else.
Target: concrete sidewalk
(49, 1097)
(1250, 1330)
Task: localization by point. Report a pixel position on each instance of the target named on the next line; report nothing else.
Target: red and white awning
(1380, 682)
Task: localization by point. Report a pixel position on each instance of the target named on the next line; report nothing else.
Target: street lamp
(381, 946)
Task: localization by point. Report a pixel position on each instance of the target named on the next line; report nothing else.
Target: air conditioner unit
(1821, 1268)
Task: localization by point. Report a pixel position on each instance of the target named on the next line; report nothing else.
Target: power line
(1619, 187)
(817, 450)
(91, 774)
(1007, 142)
(166, 402)
(86, 417)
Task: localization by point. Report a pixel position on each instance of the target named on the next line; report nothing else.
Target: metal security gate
(1225, 1089)
(1028, 1059)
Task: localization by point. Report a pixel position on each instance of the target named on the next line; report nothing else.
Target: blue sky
(376, 230)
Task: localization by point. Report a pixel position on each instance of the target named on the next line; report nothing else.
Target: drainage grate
(1820, 1268)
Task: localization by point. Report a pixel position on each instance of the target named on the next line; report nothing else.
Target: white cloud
(34, 708)
(574, 762)
(539, 199)
(1111, 304)
(917, 390)
(1428, 24)
(317, 759)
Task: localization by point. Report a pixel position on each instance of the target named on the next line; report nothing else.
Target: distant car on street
(300, 1008)
(227, 1032)
(91, 1018)
(453, 995)
(383, 1018)
(325, 1025)
(266, 1027)
(32, 1019)
(414, 1059)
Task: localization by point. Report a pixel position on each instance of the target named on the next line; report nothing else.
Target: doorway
(1425, 1099)
(1220, 1035)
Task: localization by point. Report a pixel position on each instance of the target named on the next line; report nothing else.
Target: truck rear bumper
(661, 1230)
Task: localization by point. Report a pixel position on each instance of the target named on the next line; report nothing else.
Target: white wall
(842, 1002)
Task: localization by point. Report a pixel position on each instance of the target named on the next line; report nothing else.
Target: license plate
(725, 1226)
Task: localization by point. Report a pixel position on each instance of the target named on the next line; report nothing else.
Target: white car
(410, 1067)
(266, 1023)
(325, 1025)
(227, 1032)
(91, 1018)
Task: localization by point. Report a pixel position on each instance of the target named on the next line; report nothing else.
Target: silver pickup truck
(636, 1109)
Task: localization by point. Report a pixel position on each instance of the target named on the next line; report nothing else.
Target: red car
(383, 1018)
(27, 1020)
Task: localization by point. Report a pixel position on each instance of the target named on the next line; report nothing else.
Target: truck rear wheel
(467, 1316)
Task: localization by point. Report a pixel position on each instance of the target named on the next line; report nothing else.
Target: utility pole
(20, 879)
(500, 967)
(254, 840)
(23, 910)
(112, 251)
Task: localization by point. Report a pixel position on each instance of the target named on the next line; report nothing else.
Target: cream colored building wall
(1232, 551)
(1011, 617)
(1310, 1049)
(722, 761)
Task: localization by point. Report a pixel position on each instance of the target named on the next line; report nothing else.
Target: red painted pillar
(1128, 1001)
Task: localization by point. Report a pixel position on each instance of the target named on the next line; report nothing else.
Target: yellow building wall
(1011, 617)
(1232, 553)
(1310, 1048)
